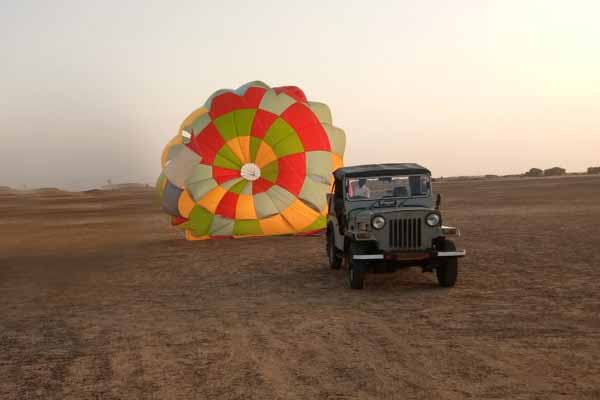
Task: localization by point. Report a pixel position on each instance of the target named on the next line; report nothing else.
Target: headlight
(433, 219)
(378, 222)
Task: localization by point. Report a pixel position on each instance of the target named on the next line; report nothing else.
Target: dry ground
(101, 299)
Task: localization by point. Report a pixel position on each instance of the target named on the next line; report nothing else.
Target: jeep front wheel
(357, 269)
(447, 270)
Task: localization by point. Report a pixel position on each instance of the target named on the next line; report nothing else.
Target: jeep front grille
(405, 233)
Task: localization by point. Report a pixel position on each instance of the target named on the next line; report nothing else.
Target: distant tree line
(555, 171)
(537, 172)
(593, 170)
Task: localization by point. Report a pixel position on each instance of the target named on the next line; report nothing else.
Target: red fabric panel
(227, 206)
(292, 172)
(253, 96)
(207, 143)
(260, 185)
(316, 232)
(293, 91)
(178, 220)
(308, 127)
(262, 122)
(224, 174)
(229, 101)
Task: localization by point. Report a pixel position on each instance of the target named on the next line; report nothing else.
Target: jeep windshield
(384, 187)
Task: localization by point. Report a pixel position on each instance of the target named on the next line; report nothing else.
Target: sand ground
(101, 299)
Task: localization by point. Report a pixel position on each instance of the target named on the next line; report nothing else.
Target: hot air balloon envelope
(252, 161)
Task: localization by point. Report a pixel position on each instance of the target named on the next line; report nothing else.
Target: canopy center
(250, 172)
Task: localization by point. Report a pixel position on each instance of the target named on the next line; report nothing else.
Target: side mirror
(438, 201)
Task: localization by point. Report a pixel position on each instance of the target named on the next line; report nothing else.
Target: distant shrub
(593, 170)
(534, 173)
(556, 171)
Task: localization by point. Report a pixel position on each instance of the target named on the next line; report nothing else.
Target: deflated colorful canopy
(250, 162)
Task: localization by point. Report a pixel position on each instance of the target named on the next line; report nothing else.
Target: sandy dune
(101, 299)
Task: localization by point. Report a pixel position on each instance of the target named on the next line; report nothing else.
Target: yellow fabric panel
(177, 139)
(190, 236)
(325, 210)
(185, 204)
(264, 155)
(337, 161)
(245, 207)
(193, 116)
(299, 215)
(275, 225)
(241, 148)
(211, 200)
(245, 146)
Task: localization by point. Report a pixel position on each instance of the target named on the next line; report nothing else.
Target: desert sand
(101, 299)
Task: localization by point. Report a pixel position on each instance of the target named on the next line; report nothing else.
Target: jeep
(383, 217)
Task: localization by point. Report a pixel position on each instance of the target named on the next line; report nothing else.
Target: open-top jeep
(382, 217)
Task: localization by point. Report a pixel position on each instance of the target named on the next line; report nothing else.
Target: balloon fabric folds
(254, 161)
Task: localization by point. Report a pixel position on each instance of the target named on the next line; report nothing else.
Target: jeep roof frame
(360, 171)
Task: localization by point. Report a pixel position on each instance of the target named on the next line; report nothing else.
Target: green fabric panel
(270, 171)
(280, 197)
(322, 111)
(226, 158)
(199, 222)
(337, 139)
(247, 190)
(247, 227)
(160, 185)
(198, 190)
(289, 145)
(254, 145)
(238, 187)
(264, 205)
(278, 131)
(201, 172)
(230, 183)
(243, 121)
(199, 124)
(319, 224)
(222, 226)
(226, 126)
(314, 194)
(319, 164)
(276, 103)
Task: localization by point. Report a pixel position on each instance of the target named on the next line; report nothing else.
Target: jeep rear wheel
(447, 271)
(357, 269)
(335, 261)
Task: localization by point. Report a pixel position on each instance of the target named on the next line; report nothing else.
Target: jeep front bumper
(397, 256)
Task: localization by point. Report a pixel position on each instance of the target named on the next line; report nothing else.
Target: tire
(335, 261)
(357, 269)
(447, 271)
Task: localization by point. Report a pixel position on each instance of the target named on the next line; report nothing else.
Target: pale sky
(94, 90)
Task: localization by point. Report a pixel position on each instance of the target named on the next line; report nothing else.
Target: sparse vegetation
(593, 170)
(555, 171)
(534, 173)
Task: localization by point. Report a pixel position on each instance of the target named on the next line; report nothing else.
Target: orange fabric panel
(190, 236)
(193, 116)
(245, 207)
(211, 200)
(185, 204)
(275, 225)
(177, 139)
(299, 215)
(264, 155)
